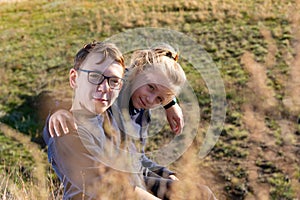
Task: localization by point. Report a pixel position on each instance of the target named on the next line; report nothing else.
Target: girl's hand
(58, 123)
(175, 118)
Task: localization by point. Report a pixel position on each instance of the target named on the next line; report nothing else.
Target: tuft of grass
(281, 187)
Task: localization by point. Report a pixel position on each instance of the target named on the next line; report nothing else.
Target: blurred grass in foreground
(255, 45)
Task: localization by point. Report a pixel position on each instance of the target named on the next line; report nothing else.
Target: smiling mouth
(100, 99)
(103, 100)
(142, 103)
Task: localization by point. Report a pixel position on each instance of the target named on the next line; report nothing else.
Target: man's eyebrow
(97, 70)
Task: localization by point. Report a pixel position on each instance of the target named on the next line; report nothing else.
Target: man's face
(96, 98)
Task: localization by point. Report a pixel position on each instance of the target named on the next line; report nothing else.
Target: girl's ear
(73, 78)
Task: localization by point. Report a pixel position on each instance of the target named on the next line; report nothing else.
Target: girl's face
(150, 96)
(96, 98)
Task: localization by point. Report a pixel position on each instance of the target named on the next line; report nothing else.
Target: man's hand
(58, 123)
(175, 118)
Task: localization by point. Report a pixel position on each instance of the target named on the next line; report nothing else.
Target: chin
(100, 111)
(136, 105)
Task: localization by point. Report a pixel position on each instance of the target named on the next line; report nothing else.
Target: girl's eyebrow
(154, 85)
(162, 98)
(160, 91)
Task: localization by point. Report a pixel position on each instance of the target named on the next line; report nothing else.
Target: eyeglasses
(97, 78)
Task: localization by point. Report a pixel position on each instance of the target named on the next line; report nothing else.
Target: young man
(96, 79)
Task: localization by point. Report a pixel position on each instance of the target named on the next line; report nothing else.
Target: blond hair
(162, 59)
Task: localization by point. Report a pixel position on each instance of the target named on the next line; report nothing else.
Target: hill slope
(254, 44)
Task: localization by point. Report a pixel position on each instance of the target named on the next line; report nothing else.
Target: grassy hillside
(255, 45)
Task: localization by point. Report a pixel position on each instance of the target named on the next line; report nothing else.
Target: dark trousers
(158, 186)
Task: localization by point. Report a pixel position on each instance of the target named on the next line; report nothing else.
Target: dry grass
(268, 104)
(291, 99)
(193, 174)
(264, 95)
(37, 188)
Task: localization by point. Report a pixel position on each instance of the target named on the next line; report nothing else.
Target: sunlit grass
(40, 38)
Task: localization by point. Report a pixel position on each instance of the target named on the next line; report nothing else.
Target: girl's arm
(175, 118)
(60, 122)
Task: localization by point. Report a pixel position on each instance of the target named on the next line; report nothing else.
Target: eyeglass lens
(97, 78)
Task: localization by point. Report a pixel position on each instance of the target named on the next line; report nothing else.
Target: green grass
(20, 160)
(40, 38)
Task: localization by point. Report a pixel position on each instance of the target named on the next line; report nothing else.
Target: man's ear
(73, 78)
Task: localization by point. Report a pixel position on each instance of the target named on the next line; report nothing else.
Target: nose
(152, 99)
(103, 87)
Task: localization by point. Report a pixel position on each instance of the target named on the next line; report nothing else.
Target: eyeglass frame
(105, 77)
